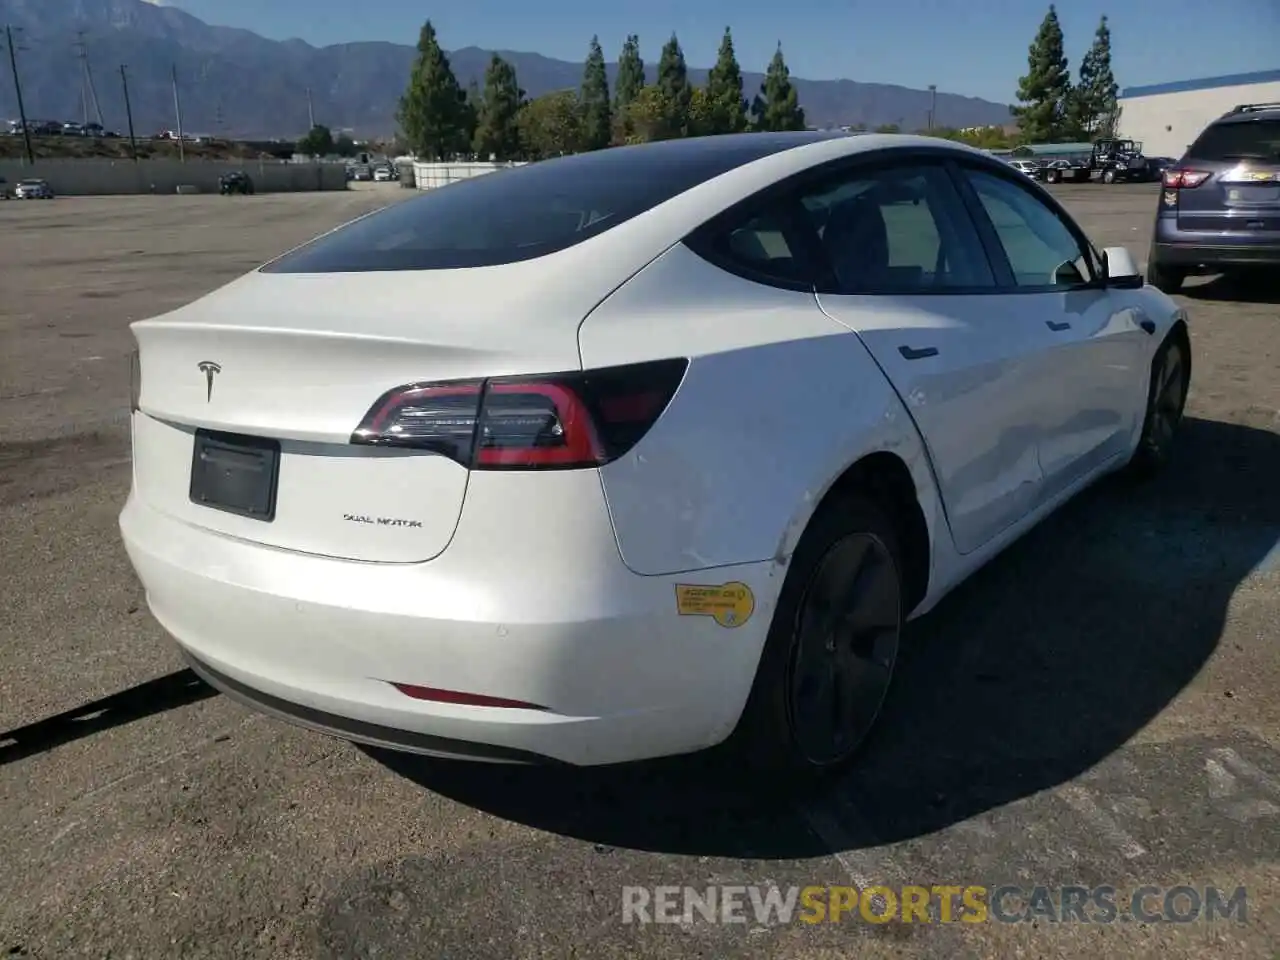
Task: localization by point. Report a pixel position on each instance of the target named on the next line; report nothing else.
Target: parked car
(642, 448)
(33, 190)
(1027, 167)
(237, 181)
(1219, 209)
(382, 175)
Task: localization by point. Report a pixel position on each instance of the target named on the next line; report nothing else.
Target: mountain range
(235, 83)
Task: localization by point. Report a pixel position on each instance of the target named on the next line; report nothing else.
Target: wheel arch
(885, 478)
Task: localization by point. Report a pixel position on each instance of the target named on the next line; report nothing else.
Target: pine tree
(630, 80)
(1045, 91)
(627, 86)
(497, 132)
(673, 81)
(597, 119)
(777, 106)
(727, 110)
(1095, 97)
(471, 110)
(433, 114)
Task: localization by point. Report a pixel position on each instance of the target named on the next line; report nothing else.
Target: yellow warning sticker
(730, 604)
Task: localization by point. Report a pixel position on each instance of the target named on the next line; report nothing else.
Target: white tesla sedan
(635, 452)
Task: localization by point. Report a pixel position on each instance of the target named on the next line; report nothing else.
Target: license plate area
(235, 474)
(1253, 194)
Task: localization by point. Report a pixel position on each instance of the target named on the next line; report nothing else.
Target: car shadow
(144, 700)
(1044, 663)
(1256, 287)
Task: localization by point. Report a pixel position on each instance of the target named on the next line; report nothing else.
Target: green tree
(649, 116)
(1092, 108)
(702, 119)
(673, 81)
(627, 86)
(433, 111)
(777, 105)
(551, 125)
(318, 142)
(630, 79)
(497, 131)
(726, 109)
(471, 101)
(597, 115)
(1045, 92)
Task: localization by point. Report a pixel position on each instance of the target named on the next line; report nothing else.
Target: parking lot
(1099, 706)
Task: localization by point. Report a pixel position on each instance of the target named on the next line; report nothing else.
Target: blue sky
(973, 48)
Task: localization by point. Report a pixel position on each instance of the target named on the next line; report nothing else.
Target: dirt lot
(1100, 706)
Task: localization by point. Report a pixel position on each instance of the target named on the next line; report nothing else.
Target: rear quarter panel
(779, 400)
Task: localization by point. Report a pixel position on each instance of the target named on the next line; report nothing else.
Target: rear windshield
(1239, 140)
(525, 212)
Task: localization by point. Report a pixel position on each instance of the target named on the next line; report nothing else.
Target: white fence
(428, 175)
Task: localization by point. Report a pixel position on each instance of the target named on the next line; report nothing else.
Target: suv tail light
(558, 421)
(1176, 179)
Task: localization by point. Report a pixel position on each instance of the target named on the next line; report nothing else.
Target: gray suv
(1219, 208)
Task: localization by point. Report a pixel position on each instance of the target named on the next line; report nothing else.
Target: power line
(17, 85)
(128, 110)
(88, 93)
(177, 109)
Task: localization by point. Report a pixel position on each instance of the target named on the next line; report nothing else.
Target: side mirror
(1119, 270)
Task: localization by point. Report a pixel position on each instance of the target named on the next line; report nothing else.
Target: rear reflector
(558, 421)
(1184, 179)
(437, 695)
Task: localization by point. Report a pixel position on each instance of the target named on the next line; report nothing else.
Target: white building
(1167, 117)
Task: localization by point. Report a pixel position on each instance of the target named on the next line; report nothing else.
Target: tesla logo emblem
(210, 370)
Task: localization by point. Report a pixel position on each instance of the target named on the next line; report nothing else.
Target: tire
(1053, 176)
(1108, 176)
(795, 730)
(1166, 279)
(1166, 402)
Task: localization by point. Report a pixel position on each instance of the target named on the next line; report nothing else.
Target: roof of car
(1258, 112)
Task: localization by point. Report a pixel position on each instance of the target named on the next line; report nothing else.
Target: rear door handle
(1058, 327)
(911, 353)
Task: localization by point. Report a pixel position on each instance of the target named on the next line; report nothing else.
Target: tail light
(1176, 179)
(558, 421)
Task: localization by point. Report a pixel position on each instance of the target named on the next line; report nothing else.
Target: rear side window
(1239, 140)
(900, 229)
(525, 212)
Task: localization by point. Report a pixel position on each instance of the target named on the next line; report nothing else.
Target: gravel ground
(1101, 705)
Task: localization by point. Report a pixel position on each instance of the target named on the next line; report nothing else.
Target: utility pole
(311, 111)
(128, 109)
(933, 104)
(177, 108)
(89, 93)
(17, 86)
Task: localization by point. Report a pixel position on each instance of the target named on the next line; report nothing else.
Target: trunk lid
(1241, 197)
(300, 359)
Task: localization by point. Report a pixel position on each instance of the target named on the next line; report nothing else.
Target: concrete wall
(96, 177)
(428, 175)
(1168, 118)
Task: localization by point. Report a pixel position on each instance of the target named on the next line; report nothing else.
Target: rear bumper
(1203, 254)
(556, 621)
